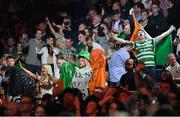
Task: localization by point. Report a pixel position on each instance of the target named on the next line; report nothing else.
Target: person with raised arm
(145, 48)
(44, 81)
(60, 42)
(48, 53)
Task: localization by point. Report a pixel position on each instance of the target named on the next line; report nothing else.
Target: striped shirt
(145, 52)
(68, 53)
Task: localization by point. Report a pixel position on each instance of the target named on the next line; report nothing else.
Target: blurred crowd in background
(89, 57)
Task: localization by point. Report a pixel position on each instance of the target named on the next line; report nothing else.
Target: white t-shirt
(116, 25)
(57, 74)
(81, 80)
(46, 89)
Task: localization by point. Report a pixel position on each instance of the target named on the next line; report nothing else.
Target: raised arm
(61, 28)
(24, 40)
(50, 26)
(163, 35)
(27, 71)
(56, 34)
(119, 39)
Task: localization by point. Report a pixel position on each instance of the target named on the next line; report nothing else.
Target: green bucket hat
(85, 54)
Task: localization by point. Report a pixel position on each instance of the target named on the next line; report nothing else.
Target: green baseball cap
(85, 54)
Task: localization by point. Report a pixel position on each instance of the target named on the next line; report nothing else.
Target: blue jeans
(114, 84)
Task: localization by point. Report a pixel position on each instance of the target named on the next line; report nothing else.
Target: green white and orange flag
(163, 48)
(137, 26)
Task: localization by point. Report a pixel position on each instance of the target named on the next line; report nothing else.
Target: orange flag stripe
(137, 26)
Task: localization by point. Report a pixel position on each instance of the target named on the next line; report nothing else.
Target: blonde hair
(49, 69)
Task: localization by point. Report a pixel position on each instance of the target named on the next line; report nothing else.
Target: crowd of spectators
(77, 58)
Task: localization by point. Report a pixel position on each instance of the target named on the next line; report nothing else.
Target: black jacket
(15, 83)
(173, 17)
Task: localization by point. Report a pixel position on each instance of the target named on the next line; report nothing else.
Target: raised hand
(112, 35)
(37, 75)
(20, 64)
(108, 96)
(131, 11)
(53, 23)
(47, 20)
(173, 27)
